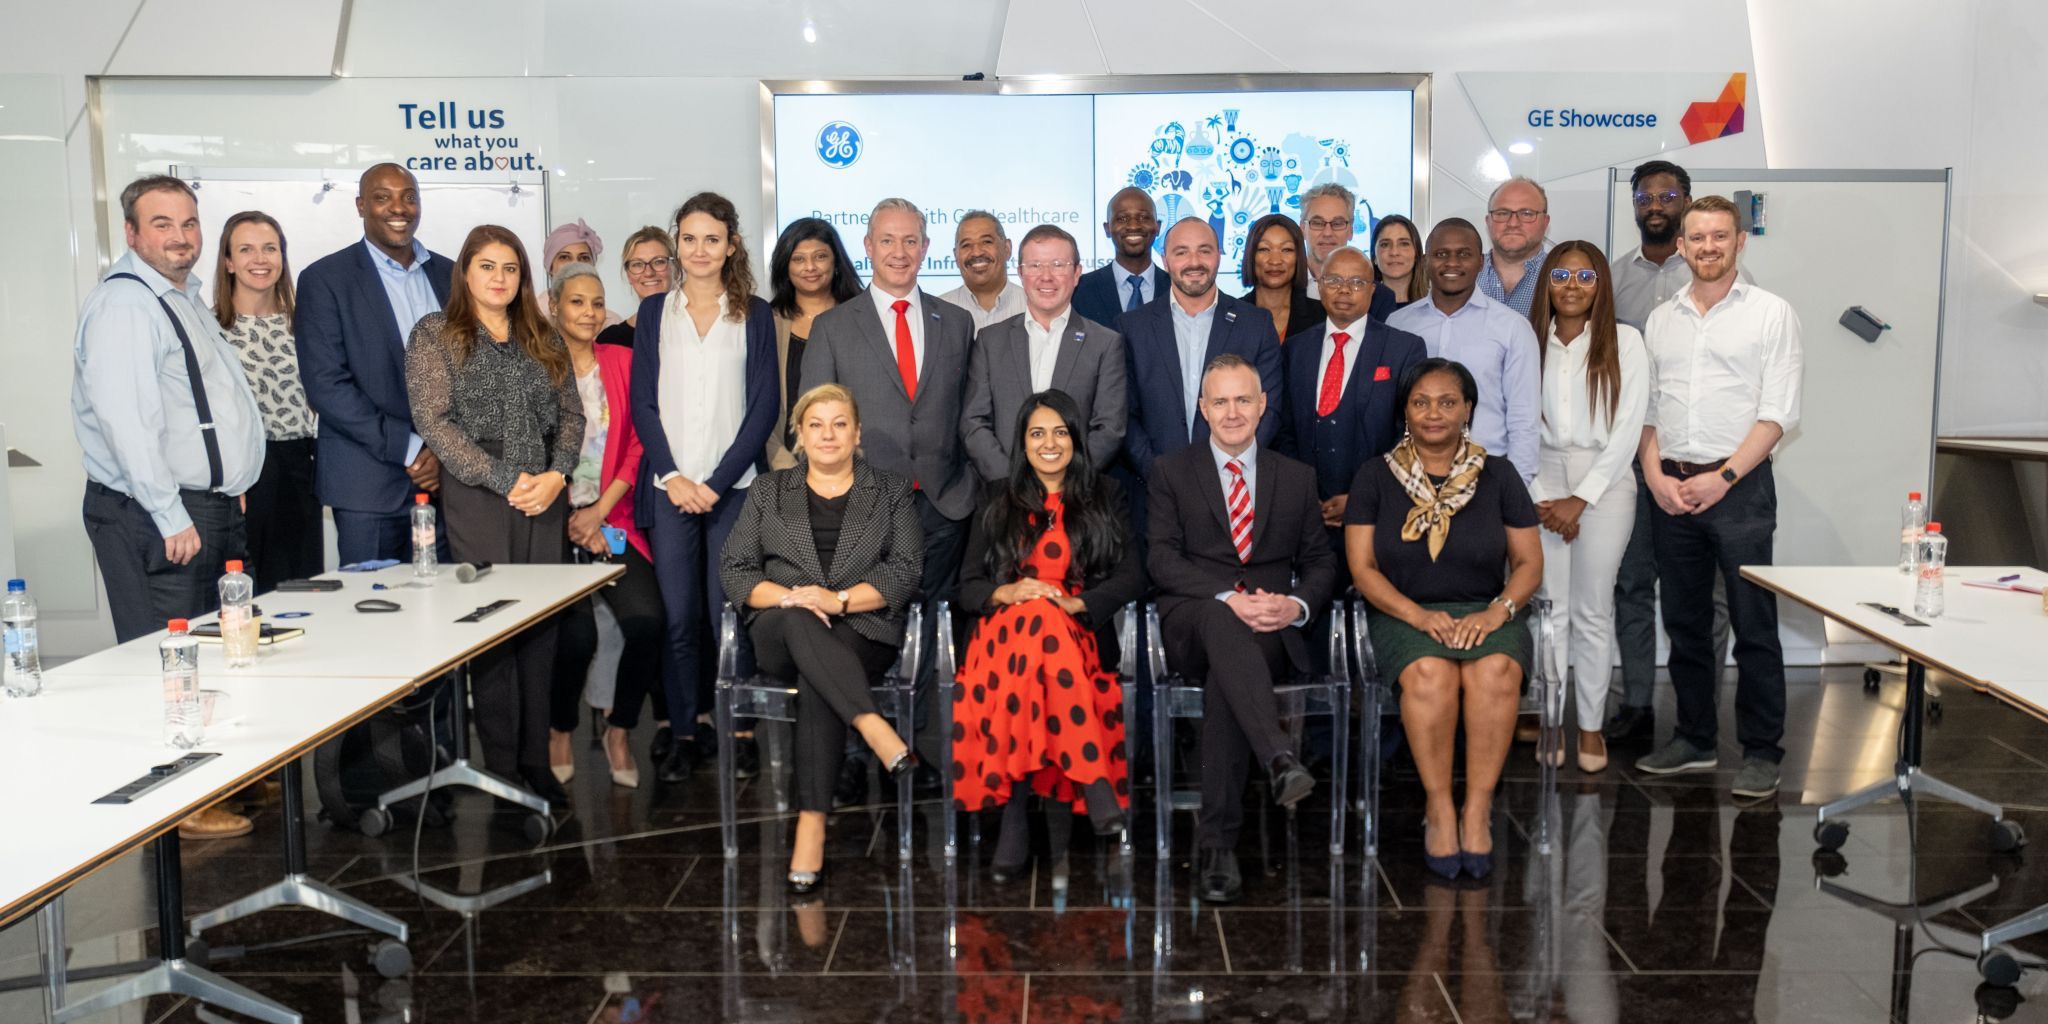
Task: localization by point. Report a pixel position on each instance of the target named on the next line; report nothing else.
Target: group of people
(1454, 423)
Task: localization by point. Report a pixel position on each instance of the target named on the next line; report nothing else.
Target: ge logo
(839, 144)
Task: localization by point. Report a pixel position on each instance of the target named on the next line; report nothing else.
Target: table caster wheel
(196, 952)
(538, 827)
(2007, 836)
(374, 821)
(1871, 677)
(390, 958)
(1998, 968)
(1829, 864)
(1997, 1002)
(1830, 835)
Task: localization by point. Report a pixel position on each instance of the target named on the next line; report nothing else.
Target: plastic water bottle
(239, 629)
(1929, 597)
(22, 674)
(183, 725)
(424, 562)
(1912, 523)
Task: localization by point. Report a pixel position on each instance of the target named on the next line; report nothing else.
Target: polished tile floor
(1660, 900)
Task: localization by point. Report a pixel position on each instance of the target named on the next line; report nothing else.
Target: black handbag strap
(199, 404)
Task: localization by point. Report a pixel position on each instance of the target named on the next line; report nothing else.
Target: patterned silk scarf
(1434, 506)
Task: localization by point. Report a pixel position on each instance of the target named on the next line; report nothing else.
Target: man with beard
(982, 253)
(1517, 217)
(1327, 211)
(1713, 423)
(1130, 280)
(1649, 275)
(1458, 323)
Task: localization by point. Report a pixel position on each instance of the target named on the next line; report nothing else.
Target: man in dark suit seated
(1050, 346)
(1340, 406)
(356, 309)
(1130, 280)
(1241, 567)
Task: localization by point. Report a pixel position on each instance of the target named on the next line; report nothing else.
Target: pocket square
(1382, 373)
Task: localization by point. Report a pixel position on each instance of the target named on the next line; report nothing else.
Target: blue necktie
(1137, 293)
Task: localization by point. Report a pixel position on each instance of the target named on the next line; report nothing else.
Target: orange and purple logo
(1720, 118)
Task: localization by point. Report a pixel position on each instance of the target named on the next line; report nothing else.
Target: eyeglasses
(1503, 216)
(1657, 198)
(638, 267)
(1326, 223)
(1045, 266)
(1586, 275)
(1333, 283)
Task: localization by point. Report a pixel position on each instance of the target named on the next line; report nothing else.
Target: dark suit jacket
(1089, 368)
(920, 440)
(1102, 593)
(352, 362)
(748, 448)
(880, 543)
(1159, 420)
(1100, 295)
(1191, 556)
(1302, 313)
(1367, 422)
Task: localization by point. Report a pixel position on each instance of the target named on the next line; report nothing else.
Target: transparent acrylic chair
(1176, 697)
(1545, 696)
(772, 699)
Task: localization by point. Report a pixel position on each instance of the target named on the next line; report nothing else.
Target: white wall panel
(231, 37)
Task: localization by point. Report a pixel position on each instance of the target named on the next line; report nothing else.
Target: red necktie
(1240, 502)
(1333, 377)
(906, 351)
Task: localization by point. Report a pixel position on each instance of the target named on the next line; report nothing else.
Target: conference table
(97, 726)
(1994, 640)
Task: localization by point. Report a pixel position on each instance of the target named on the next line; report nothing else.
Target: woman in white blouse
(704, 401)
(1595, 393)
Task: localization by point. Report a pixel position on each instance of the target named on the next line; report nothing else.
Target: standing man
(1726, 370)
(1048, 346)
(1327, 218)
(1517, 217)
(1498, 346)
(982, 253)
(1130, 280)
(1241, 567)
(170, 431)
(356, 310)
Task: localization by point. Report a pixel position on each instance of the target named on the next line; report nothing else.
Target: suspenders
(199, 403)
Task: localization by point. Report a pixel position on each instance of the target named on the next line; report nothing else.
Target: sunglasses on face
(1585, 275)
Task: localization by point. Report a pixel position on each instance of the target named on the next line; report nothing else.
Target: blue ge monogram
(839, 144)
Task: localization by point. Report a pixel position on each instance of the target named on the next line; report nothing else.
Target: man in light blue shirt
(166, 458)
(1456, 322)
(1517, 218)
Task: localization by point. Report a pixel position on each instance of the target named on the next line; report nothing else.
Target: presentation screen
(1228, 158)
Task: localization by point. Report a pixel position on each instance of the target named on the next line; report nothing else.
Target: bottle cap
(180, 626)
(16, 586)
(235, 565)
(420, 498)
(1912, 495)
(1933, 527)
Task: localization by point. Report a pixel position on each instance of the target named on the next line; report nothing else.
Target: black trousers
(145, 589)
(834, 668)
(1237, 669)
(284, 516)
(1693, 550)
(635, 601)
(508, 684)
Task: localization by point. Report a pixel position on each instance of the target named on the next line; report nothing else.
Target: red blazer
(621, 442)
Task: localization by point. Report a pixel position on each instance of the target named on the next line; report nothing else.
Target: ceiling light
(1521, 149)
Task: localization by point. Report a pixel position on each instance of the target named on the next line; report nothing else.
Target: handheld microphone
(466, 572)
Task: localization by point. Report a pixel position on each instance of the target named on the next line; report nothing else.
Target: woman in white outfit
(1595, 394)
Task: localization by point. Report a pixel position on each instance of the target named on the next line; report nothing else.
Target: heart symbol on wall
(504, 162)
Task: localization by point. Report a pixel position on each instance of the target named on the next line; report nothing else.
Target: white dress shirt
(1043, 346)
(885, 306)
(1572, 418)
(1248, 461)
(1355, 329)
(1641, 286)
(1715, 375)
(701, 389)
(1009, 303)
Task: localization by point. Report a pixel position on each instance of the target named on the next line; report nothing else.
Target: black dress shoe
(664, 741)
(902, 765)
(1631, 725)
(1221, 881)
(676, 766)
(1291, 782)
(804, 883)
(1004, 874)
(746, 758)
(851, 789)
(541, 783)
(704, 739)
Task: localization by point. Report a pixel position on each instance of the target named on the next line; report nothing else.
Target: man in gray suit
(1048, 346)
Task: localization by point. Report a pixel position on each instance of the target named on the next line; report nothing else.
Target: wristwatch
(845, 598)
(1728, 474)
(1506, 602)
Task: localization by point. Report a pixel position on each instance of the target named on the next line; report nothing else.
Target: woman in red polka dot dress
(1036, 704)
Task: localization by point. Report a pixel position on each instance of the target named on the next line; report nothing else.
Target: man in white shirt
(1726, 371)
(981, 251)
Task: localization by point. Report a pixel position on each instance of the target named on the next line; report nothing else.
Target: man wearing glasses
(1517, 217)
(1049, 345)
(1649, 275)
(1327, 213)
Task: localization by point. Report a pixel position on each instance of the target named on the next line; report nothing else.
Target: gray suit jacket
(1089, 368)
(919, 441)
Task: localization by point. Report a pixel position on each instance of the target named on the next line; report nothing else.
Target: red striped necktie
(1240, 502)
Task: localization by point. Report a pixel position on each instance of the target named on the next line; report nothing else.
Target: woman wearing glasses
(1595, 394)
(649, 263)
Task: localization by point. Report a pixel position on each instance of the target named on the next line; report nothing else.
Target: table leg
(461, 772)
(1907, 779)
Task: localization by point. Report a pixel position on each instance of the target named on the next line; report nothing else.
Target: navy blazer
(352, 362)
(1100, 297)
(1159, 420)
(748, 447)
(1367, 422)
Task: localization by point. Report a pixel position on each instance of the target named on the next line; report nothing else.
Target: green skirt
(1397, 645)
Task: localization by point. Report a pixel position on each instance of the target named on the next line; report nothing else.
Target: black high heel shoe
(1446, 866)
(804, 883)
(902, 765)
(1478, 865)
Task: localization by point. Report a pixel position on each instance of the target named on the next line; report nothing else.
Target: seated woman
(1034, 705)
(824, 562)
(1427, 531)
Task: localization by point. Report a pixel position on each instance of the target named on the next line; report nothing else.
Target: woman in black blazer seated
(1442, 541)
(824, 562)
(1036, 704)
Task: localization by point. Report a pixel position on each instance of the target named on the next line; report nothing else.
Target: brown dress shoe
(214, 823)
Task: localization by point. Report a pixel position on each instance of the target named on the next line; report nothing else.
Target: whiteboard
(317, 209)
(1835, 239)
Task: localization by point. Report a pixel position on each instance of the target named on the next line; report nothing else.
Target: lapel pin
(1230, 316)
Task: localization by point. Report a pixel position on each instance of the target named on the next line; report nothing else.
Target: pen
(2009, 579)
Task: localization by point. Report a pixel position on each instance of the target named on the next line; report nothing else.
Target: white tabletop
(1994, 639)
(2030, 448)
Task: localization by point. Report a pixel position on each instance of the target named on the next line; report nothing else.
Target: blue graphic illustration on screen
(839, 144)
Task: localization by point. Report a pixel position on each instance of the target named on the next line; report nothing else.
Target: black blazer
(1159, 420)
(1192, 558)
(1101, 594)
(1099, 297)
(1369, 415)
(1302, 312)
(880, 543)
